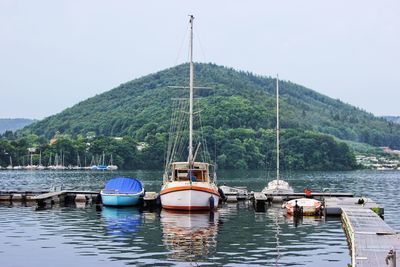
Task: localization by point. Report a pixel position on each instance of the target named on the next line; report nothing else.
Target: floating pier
(333, 206)
(48, 198)
(373, 243)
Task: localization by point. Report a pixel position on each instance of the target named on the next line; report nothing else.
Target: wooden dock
(370, 238)
(333, 205)
(46, 198)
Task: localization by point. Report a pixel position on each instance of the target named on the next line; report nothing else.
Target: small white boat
(309, 206)
(122, 191)
(40, 167)
(232, 194)
(111, 166)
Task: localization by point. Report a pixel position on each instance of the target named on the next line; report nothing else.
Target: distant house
(142, 145)
(32, 150)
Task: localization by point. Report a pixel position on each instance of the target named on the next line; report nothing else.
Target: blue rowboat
(122, 191)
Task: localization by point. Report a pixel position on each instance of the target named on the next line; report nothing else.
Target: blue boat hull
(120, 199)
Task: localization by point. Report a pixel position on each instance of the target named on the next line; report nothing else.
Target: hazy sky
(54, 54)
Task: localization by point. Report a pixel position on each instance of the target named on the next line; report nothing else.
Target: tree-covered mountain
(13, 124)
(240, 100)
(237, 116)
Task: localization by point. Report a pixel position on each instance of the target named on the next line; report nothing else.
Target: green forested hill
(240, 100)
(238, 118)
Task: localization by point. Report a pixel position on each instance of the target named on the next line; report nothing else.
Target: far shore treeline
(301, 150)
(132, 123)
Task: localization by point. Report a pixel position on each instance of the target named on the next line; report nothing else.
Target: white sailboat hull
(189, 196)
(278, 187)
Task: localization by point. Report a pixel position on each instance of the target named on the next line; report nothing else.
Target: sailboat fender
(212, 204)
(222, 195)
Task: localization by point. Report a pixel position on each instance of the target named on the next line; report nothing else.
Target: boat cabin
(180, 171)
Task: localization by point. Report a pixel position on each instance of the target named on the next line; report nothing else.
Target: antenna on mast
(277, 128)
(190, 158)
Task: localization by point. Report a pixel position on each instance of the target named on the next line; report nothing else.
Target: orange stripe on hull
(185, 207)
(189, 187)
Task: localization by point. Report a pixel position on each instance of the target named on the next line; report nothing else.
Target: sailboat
(78, 163)
(40, 166)
(111, 166)
(102, 166)
(277, 186)
(189, 185)
(10, 167)
(31, 166)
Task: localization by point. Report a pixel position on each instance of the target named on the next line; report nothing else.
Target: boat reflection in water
(304, 220)
(190, 236)
(120, 221)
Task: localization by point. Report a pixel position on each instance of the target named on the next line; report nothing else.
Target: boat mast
(277, 128)
(190, 159)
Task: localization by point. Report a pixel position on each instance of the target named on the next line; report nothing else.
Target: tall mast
(277, 128)
(190, 159)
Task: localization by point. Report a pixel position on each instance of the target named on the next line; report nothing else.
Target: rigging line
(203, 140)
(183, 148)
(215, 132)
(175, 113)
(178, 123)
(181, 46)
(169, 144)
(179, 132)
(197, 38)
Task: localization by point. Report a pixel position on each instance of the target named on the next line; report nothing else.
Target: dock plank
(48, 195)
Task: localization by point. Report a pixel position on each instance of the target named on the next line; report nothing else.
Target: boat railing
(116, 191)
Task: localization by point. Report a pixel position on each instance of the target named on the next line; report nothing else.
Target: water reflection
(303, 220)
(120, 221)
(189, 236)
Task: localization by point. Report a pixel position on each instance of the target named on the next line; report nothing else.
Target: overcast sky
(54, 54)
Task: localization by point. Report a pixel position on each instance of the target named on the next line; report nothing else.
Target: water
(235, 235)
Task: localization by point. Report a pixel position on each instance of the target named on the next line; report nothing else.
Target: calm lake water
(235, 235)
